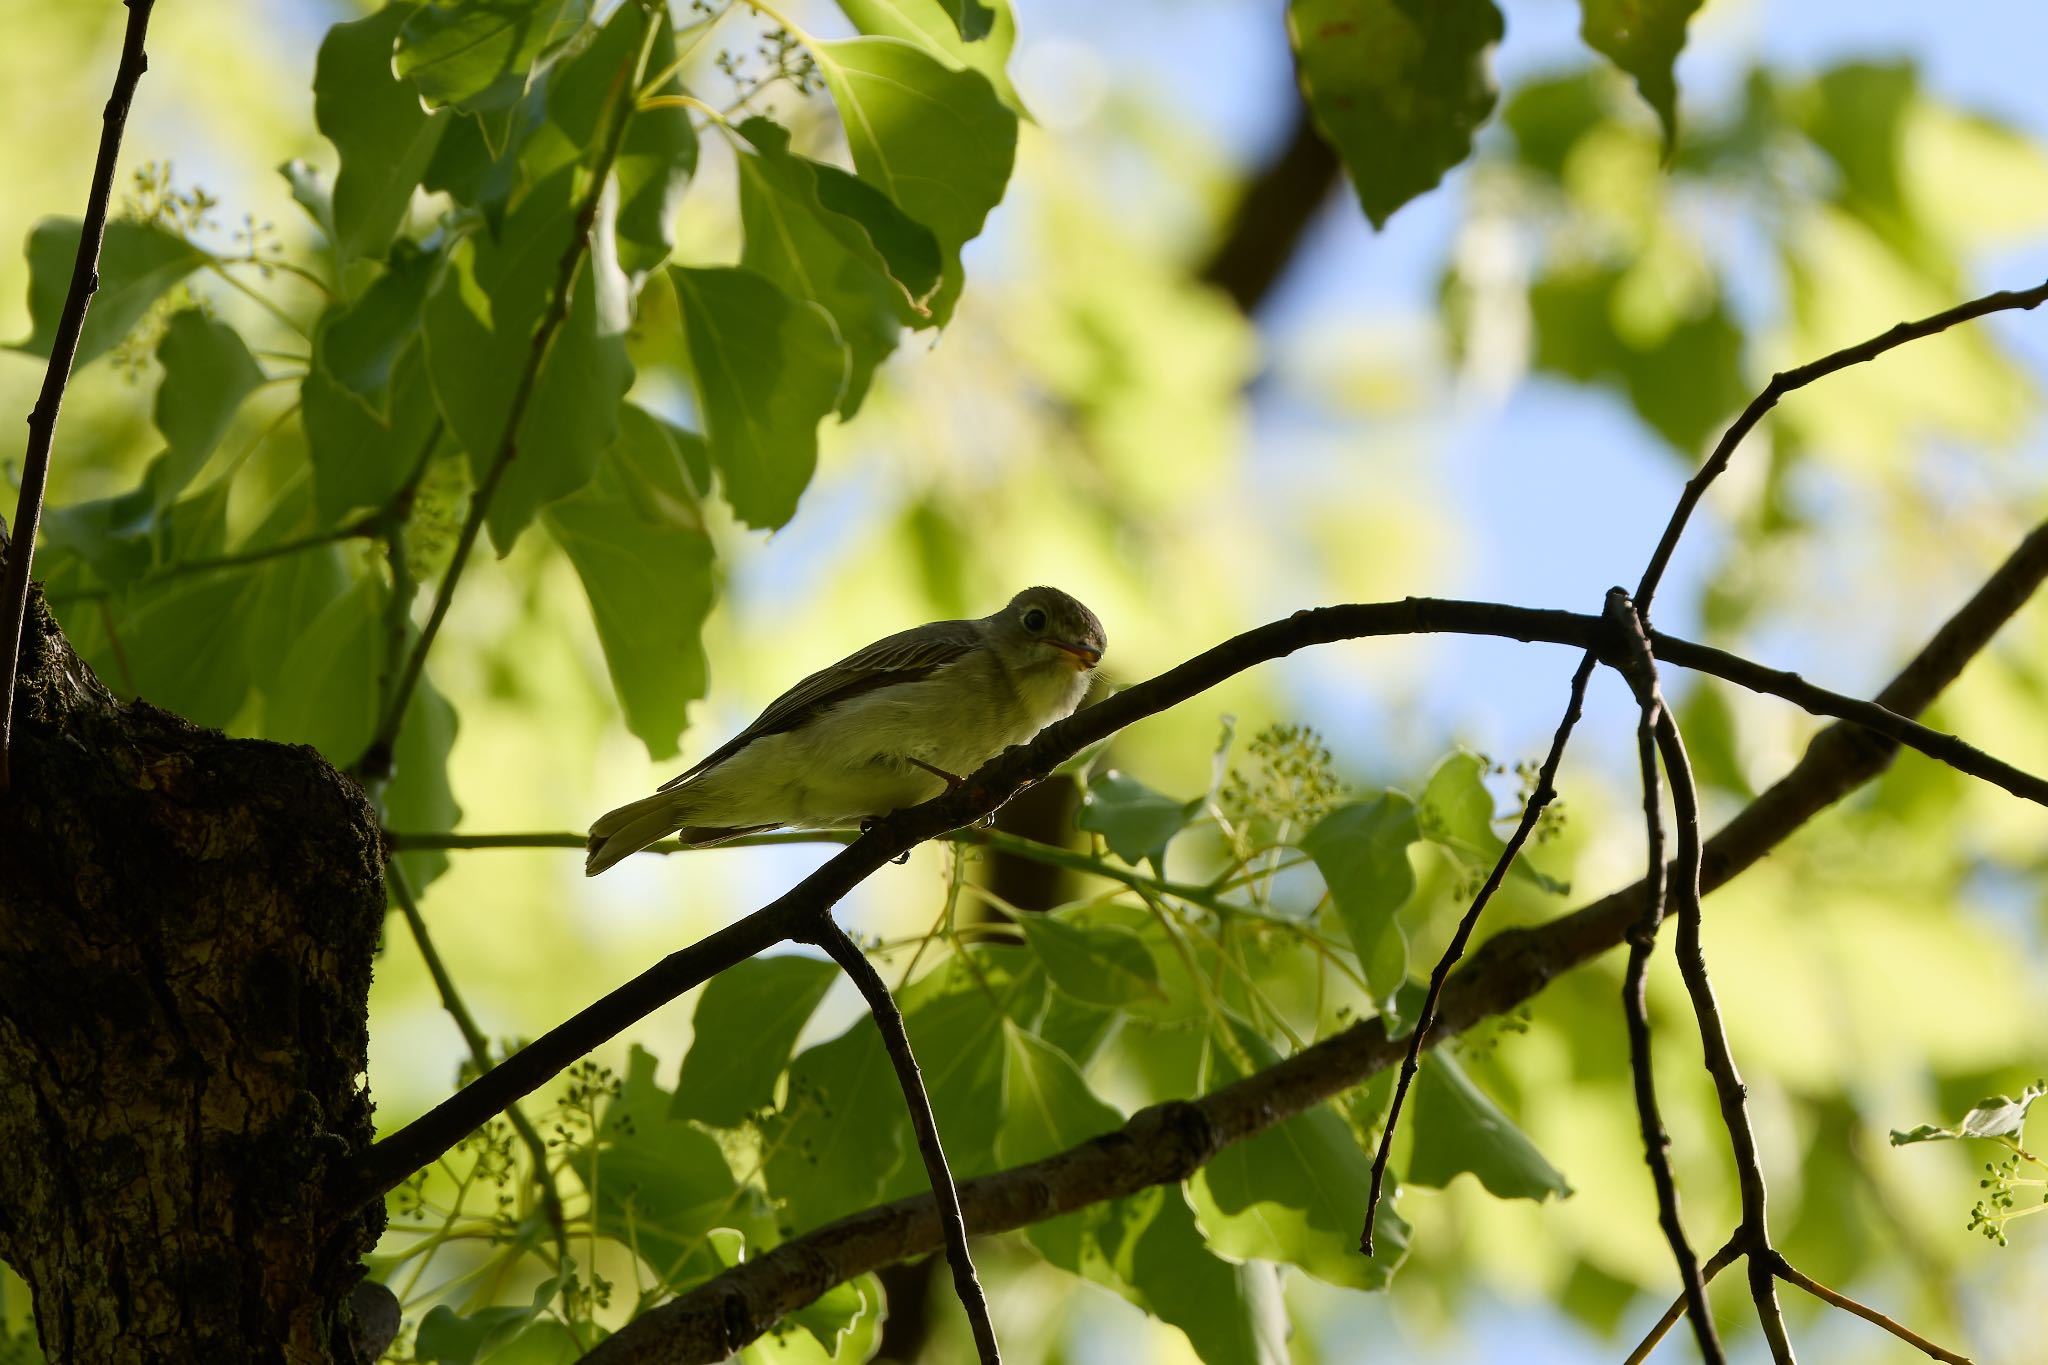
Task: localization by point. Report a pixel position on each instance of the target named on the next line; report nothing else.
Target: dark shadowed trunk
(186, 928)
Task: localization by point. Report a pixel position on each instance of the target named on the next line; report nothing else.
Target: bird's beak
(1085, 656)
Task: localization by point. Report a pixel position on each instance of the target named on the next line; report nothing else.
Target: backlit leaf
(1643, 38)
(747, 1021)
(1457, 1128)
(138, 262)
(208, 371)
(374, 120)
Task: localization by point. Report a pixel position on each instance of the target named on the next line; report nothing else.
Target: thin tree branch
(236, 560)
(479, 1050)
(1720, 1060)
(1787, 381)
(827, 934)
(1716, 1263)
(1167, 1143)
(377, 758)
(42, 419)
(1785, 1270)
(1540, 797)
(1639, 667)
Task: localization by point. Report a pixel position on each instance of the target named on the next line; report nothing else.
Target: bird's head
(1043, 625)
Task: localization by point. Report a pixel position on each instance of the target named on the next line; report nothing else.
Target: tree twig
(1680, 1306)
(1787, 381)
(42, 419)
(1720, 1060)
(479, 1050)
(827, 934)
(1639, 667)
(1785, 1270)
(1540, 797)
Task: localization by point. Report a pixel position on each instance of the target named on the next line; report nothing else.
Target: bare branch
(1785, 1270)
(1786, 382)
(828, 935)
(1639, 667)
(1716, 1263)
(42, 420)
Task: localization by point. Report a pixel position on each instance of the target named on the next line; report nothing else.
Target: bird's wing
(900, 658)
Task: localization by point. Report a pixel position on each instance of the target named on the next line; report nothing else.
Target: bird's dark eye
(1034, 619)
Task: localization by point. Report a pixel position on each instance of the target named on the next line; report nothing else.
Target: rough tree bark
(186, 929)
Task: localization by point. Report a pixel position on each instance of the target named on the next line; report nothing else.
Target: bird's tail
(633, 826)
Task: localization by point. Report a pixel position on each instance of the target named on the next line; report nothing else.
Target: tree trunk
(186, 928)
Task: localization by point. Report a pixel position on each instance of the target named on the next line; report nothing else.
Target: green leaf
(207, 374)
(1295, 1192)
(1682, 376)
(326, 692)
(637, 540)
(379, 131)
(767, 370)
(477, 54)
(656, 159)
(937, 27)
(841, 1132)
(1397, 86)
(832, 258)
(1047, 1106)
(450, 1338)
(182, 642)
(1457, 1129)
(138, 262)
(311, 192)
(1361, 848)
(662, 1184)
(359, 344)
(360, 461)
(1136, 822)
(1548, 117)
(956, 1025)
(1147, 1248)
(418, 797)
(1643, 38)
(481, 324)
(291, 589)
(842, 1311)
(1456, 813)
(937, 141)
(1102, 965)
(1997, 1116)
(747, 1021)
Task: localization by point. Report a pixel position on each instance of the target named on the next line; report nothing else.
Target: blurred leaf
(207, 374)
(1857, 115)
(326, 692)
(934, 26)
(1293, 1193)
(1457, 1129)
(291, 589)
(1686, 384)
(1136, 822)
(841, 1132)
(359, 344)
(418, 797)
(481, 323)
(768, 369)
(181, 640)
(1998, 1116)
(655, 162)
(1643, 38)
(1708, 724)
(1456, 813)
(476, 54)
(1548, 117)
(542, 1342)
(360, 462)
(830, 257)
(747, 1021)
(661, 1184)
(374, 120)
(138, 262)
(1101, 965)
(637, 540)
(311, 192)
(450, 1338)
(1361, 848)
(1397, 86)
(935, 140)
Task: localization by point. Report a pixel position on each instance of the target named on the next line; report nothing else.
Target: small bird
(888, 726)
